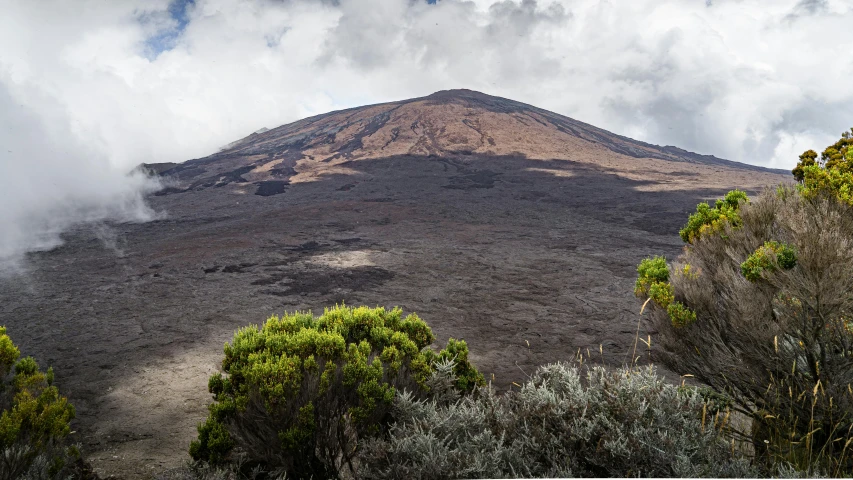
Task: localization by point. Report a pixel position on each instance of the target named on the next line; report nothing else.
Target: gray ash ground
(527, 266)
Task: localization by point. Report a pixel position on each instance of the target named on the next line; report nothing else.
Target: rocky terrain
(512, 227)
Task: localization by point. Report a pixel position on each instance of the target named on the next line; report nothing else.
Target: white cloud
(748, 80)
(50, 180)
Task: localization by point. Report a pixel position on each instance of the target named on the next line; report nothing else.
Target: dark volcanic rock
(512, 227)
(271, 187)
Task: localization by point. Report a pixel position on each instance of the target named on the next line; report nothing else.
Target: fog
(52, 181)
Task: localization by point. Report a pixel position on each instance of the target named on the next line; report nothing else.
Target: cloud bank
(89, 89)
(51, 181)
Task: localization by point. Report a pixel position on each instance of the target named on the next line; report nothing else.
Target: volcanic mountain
(450, 124)
(512, 227)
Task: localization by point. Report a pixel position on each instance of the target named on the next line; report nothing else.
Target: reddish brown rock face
(514, 228)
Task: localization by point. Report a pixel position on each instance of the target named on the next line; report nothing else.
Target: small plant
(662, 294)
(299, 394)
(34, 419)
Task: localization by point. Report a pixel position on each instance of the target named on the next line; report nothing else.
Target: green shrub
(653, 280)
(819, 181)
(650, 271)
(807, 159)
(300, 393)
(662, 294)
(34, 419)
(680, 315)
(467, 377)
(707, 219)
(766, 258)
(622, 423)
(832, 175)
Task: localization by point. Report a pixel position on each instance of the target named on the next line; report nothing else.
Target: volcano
(514, 228)
(451, 124)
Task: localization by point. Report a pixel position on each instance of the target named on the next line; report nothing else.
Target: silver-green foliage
(205, 471)
(53, 461)
(617, 423)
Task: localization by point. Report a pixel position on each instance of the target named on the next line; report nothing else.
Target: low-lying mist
(50, 181)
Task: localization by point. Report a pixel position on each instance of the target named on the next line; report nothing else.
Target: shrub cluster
(300, 393)
(832, 174)
(653, 282)
(708, 219)
(769, 323)
(770, 310)
(767, 258)
(650, 271)
(34, 420)
(620, 423)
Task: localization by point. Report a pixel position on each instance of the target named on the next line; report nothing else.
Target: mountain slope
(514, 228)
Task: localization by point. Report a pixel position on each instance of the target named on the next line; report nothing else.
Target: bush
(832, 175)
(707, 220)
(619, 423)
(34, 420)
(300, 393)
(191, 470)
(772, 315)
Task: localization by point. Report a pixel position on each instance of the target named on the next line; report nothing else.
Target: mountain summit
(448, 124)
(451, 122)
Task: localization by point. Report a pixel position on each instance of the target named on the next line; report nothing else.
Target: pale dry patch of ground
(172, 391)
(357, 258)
(553, 171)
(312, 171)
(262, 171)
(661, 175)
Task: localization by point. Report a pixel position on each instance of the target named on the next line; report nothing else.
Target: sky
(91, 88)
